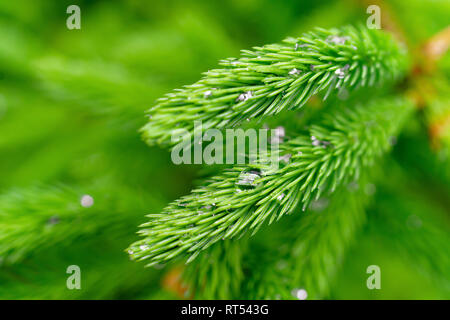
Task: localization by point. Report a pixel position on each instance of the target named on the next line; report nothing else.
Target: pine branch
(34, 219)
(275, 77)
(217, 274)
(308, 252)
(243, 198)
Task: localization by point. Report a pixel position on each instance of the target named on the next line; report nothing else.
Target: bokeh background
(71, 105)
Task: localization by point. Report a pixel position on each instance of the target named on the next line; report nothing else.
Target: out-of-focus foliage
(71, 105)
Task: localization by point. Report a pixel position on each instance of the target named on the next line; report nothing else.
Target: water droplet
(300, 46)
(286, 158)
(144, 247)
(281, 196)
(247, 179)
(337, 39)
(316, 142)
(207, 94)
(294, 71)
(245, 96)
(300, 294)
(341, 72)
(87, 201)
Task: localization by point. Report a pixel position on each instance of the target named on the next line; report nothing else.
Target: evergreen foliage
(269, 79)
(364, 175)
(355, 138)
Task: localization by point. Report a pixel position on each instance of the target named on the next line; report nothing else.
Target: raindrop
(87, 201)
(300, 294)
(281, 196)
(316, 142)
(245, 96)
(286, 158)
(294, 71)
(341, 72)
(337, 40)
(300, 46)
(207, 94)
(247, 179)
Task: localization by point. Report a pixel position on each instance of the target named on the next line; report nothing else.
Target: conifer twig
(334, 152)
(308, 253)
(276, 77)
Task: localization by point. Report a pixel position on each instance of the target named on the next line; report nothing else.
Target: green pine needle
(275, 77)
(351, 139)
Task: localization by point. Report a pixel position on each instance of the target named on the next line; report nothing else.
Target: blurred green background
(71, 105)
